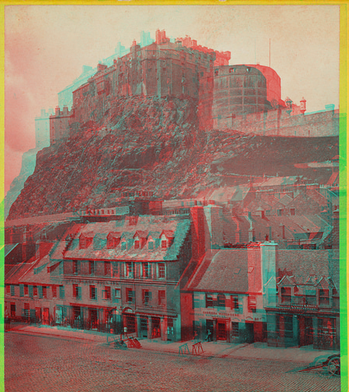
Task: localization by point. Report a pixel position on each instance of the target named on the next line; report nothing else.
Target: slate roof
(217, 272)
(149, 224)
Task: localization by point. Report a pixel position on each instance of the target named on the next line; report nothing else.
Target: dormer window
(151, 245)
(113, 240)
(324, 297)
(163, 244)
(137, 244)
(285, 294)
(123, 245)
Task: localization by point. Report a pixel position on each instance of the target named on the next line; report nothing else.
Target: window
(151, 245)
(161, 271)
(209, 301)
(146, 270)
(235, 302)
(26, 290)
(310, 297)
(137, 244)
(335, 298)
(292, 211)
(162, 297)
(116, 271)
(235, 329)
(61, 291)
(117, 293)
(26, 310)
(324, 297)
(146, 297)
(76, 291)
(75, 267)
(221, 300)
(8, 289)
(252, 304)
(12, 290)
(44, 292)
(163, 244)
(107, 292)
(129, 270)
(286, 295)
(35, 290)
(123, 245)
(93, 292)
(130, 296)
(280, 211)
(91, 267)
(54, 291)
(107, 269)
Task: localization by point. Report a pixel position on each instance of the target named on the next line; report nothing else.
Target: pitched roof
(9, 248)
(218, 272)
(178, 228)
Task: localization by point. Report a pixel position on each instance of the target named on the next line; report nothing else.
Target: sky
(46, 47)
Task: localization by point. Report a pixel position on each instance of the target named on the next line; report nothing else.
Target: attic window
(137, 244)
(163, 244)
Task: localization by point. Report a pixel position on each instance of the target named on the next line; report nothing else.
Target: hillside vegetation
(154, 145)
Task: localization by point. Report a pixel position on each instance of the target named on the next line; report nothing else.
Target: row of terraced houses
(193, 272)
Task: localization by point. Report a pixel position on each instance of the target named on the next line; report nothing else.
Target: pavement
(306, 355)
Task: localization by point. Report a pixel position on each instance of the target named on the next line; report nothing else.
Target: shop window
(161, 271)
(221, 300)
(162, 297)
(209, 301)
(117, 293)
(235, 302)
(106, 292)
(130, 296)
(54, 291)
(146, 297)
(107, 268)
(235, 329)
(286, 295)
(146, 270)
(324, 297)
(91, 267)
(93, 292)
(252, 304)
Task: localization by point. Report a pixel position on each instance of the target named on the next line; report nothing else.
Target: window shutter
(61, 291)
(40, 291)
(21, 290)
(30, 288)
(12, 290)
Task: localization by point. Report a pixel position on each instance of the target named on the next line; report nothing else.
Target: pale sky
(46, 47)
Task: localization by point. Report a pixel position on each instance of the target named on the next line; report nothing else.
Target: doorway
(144, 327)
(221, 330)
(46, 316)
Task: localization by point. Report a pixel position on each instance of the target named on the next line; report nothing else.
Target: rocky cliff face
(154, 145)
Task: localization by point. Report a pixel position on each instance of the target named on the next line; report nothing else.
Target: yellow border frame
(344, 151)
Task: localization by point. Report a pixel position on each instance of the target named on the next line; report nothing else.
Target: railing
(197, 348)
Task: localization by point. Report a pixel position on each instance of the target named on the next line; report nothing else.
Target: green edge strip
(343, 198)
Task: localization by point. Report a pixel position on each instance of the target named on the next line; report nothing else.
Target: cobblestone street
(36, 363)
